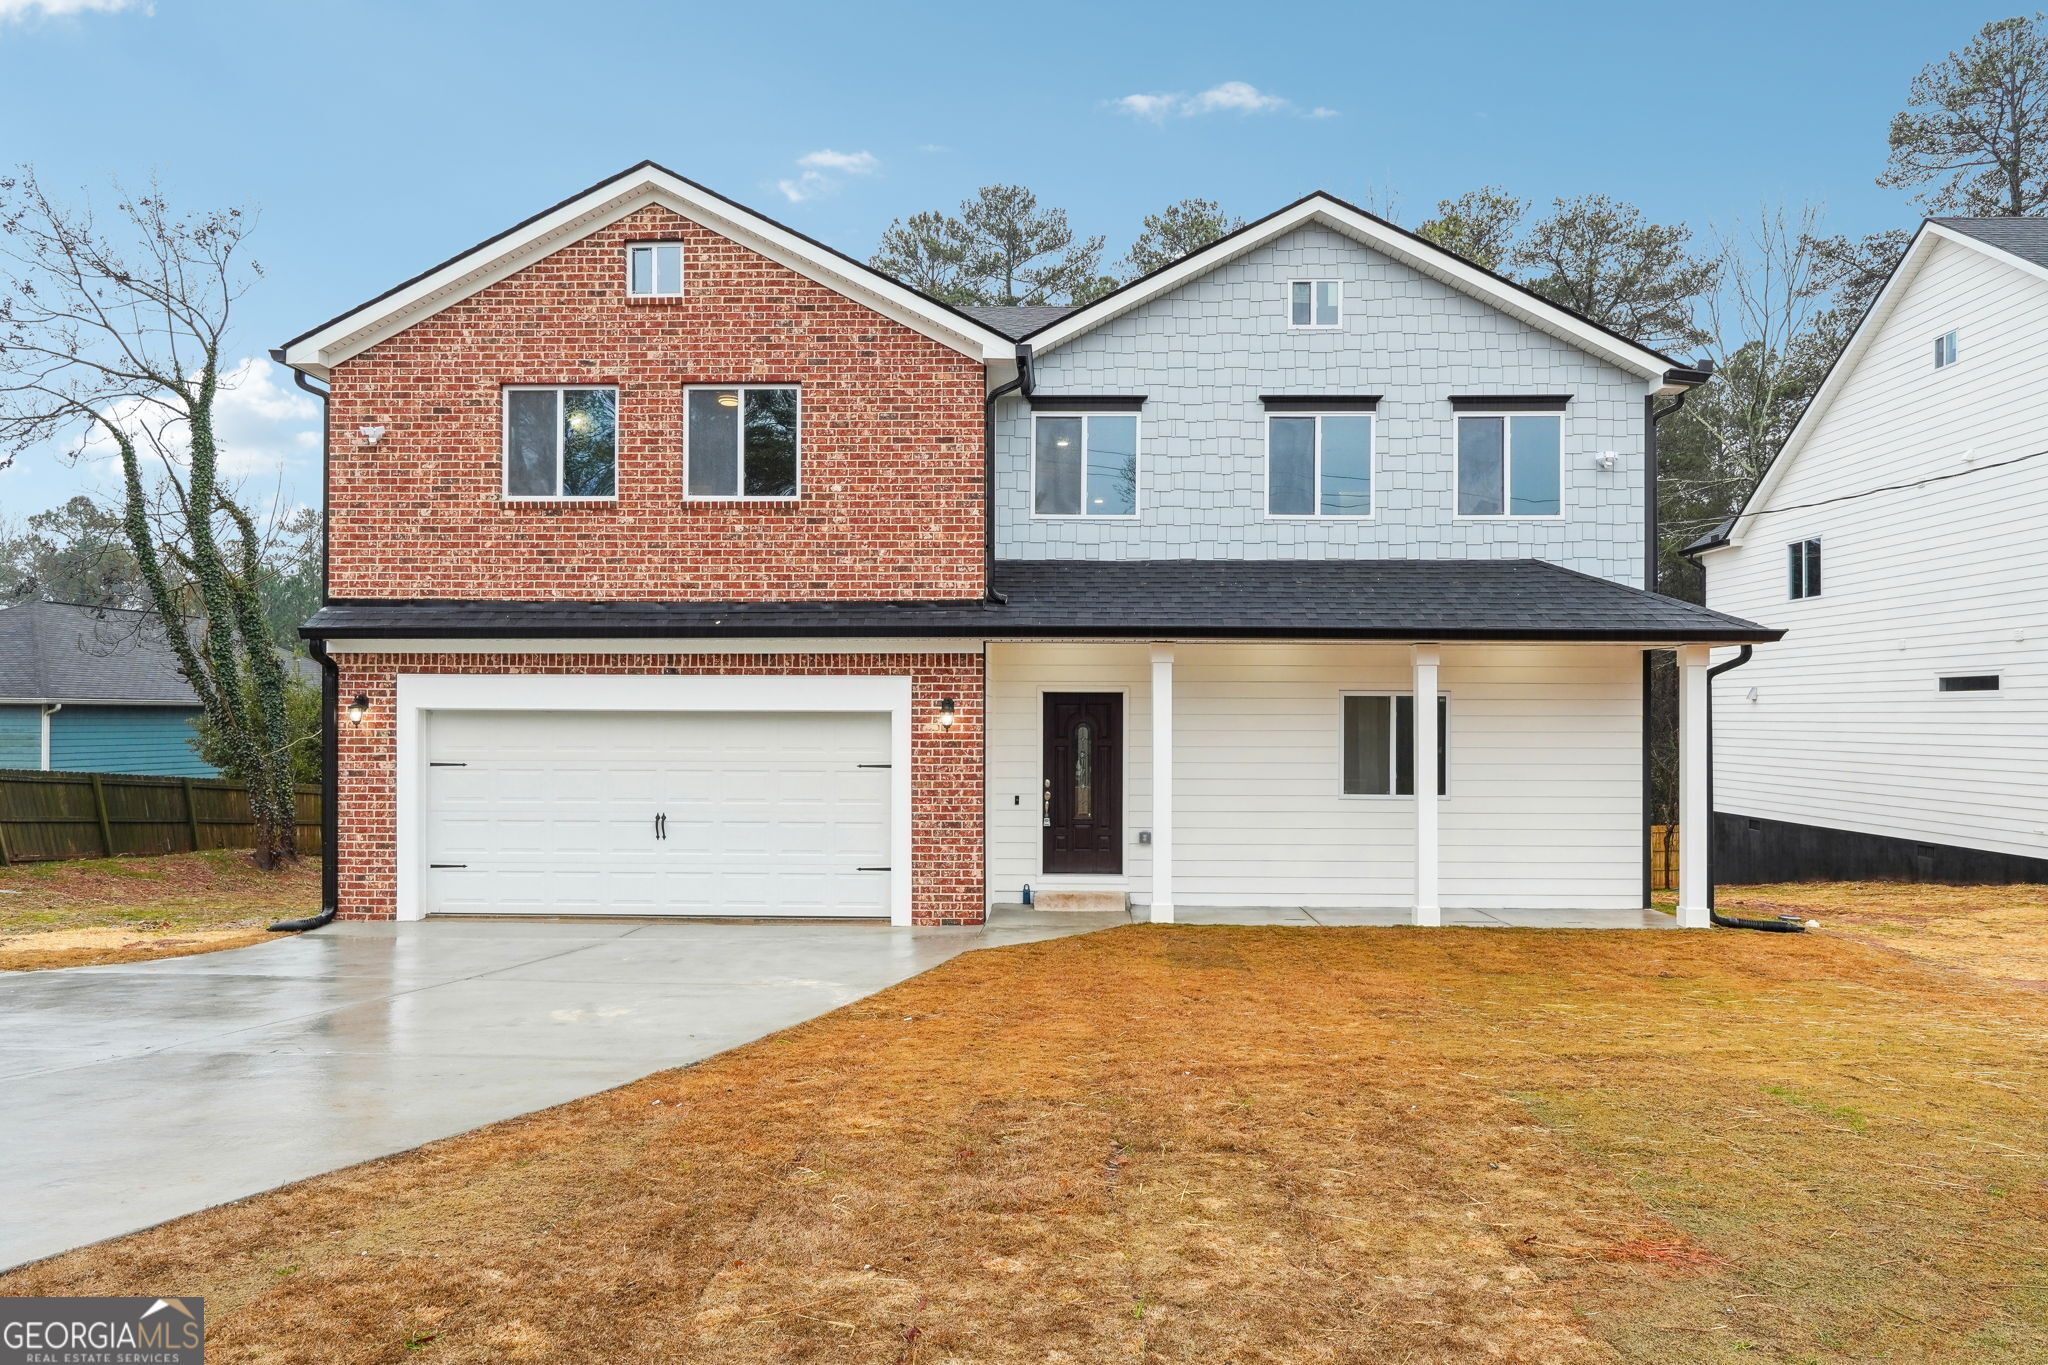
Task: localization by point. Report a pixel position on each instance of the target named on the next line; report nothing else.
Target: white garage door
(657, 813)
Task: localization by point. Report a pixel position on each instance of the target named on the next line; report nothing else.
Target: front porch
(1024, 917)
(1272, 783)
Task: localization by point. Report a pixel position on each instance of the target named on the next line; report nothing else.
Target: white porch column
(1162, 784)
(1428, 909)
(1693, 834)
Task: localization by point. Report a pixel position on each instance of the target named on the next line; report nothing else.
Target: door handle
(661, 825)
(1045, 808)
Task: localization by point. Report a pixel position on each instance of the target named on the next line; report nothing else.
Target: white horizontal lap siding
(1546, 775)
(1848, 730)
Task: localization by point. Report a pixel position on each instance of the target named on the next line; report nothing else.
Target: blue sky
(379, 138)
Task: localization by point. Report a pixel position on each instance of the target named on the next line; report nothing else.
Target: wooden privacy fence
(1663, 857)
(46, 816)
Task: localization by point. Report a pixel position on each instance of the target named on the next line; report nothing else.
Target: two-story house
(1898, 730)
(683, 565)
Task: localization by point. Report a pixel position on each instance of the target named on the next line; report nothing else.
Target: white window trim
(1444, 738)
(1507, 466)
(418, 695)
(505, 443)
(1945, 366)
(1312, 325)
(1372, 456)
(1137, 469)
(1998, 691)
(631, 293)
(1786, 567)
(741, 453)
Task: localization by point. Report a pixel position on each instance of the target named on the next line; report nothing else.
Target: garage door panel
(554, 813)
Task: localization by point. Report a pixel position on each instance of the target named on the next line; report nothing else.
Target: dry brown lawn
(93, 912)
(1222, 1145)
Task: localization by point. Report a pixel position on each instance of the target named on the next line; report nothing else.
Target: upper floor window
(1314, 303)
(740, 441)
(1319, 465)
(1944, 350)
(1510, 465)
(1803, 558)
(654, 270)
(1379, 744)
(561, 442)
(1085, 466)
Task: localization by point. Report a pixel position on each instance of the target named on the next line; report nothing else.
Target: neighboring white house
(1901, 726)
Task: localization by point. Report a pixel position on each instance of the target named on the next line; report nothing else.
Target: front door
(1083, 788)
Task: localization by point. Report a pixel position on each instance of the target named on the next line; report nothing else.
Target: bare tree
(116, 338)
(1601, 259)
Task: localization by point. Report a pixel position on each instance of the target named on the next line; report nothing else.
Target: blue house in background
(93, 689)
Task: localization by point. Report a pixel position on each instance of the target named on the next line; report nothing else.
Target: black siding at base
(1748, 849)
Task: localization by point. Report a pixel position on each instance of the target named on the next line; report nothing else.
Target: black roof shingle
(55, 651)
(2026, 238)
(1020, 320)
(1360, 599)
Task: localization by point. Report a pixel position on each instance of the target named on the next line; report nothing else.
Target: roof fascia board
(357, 330)
(1903, 275)
(1436, 263)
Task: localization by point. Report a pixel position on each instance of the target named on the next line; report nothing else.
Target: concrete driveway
(131, 1095)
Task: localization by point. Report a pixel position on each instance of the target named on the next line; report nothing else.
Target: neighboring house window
(1510, 465)
(740, 441)
(561, 442)
(1803, 565)
(1314, 303)
(1319, 466)
(1944, 350)
(654, 270)
(1970, 682)
(1379, 744)
(1085, 466)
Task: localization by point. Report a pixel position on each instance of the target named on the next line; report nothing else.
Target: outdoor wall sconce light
(948, 712)
(370, 435)
(358, 708)
(1606, 460)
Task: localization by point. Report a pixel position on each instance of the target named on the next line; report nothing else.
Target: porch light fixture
(370, 435)
(948, 711)
(358, 708)
(1606, 460)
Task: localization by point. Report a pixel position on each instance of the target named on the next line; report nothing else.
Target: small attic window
(654, 270)
(1944, 350)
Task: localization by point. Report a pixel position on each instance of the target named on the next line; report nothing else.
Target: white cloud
(21, 9)
(1229, 97)
(268, 432)
(821, 172)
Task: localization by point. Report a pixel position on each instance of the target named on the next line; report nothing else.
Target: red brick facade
(946, 762)
(890, 463)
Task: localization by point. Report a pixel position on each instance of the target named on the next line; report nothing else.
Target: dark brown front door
(1083, 786)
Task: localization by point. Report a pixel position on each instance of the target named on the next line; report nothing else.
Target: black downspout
(1652, 556)
(988, 458)
(330, 707)
(1784, 924)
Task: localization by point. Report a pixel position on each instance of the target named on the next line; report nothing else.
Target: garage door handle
(871, 869)
(661, 825)
(447, 864)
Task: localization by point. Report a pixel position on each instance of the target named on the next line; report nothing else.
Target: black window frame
(1400, 744)
(1803, 569)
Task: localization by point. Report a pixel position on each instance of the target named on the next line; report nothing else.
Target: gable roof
(60, 652)
(316, 350)
(1414, 251)
(1018, 320)
(2021, 243)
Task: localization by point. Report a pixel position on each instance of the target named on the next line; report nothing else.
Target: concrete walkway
(130, 1095)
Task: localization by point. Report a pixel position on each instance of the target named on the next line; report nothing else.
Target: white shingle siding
(1205, 353)
(1848, 730)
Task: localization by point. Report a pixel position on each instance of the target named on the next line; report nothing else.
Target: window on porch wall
(1379, 745)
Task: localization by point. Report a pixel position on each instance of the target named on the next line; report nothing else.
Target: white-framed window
(561, 441)
(1319, 464)
(1944, 350)
(654, 270)
(1802, 568)
(741, 441)
(1379, 743)
(1084, 464)
(1315, 303)
(1510, 464)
